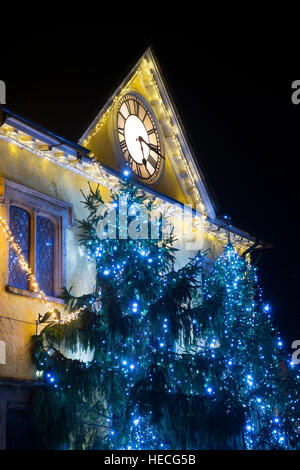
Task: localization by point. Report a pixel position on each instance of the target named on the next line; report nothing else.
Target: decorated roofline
(11, 118)
(29, 136)
(181, 157)
(212, 207)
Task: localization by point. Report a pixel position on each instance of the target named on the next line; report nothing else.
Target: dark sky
(235, 106)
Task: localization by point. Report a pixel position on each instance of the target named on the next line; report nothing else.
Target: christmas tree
(175, 363)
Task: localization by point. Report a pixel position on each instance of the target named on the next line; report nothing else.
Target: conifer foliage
(175, 363)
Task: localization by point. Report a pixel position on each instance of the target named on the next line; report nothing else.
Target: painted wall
(20, 312)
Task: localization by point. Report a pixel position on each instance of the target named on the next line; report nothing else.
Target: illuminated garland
(31, 278)
(174, 138)
(97, 167)
(104, 117)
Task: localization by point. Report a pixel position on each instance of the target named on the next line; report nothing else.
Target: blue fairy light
(250, 380)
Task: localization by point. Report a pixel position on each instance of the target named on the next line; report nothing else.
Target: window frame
(39, 204)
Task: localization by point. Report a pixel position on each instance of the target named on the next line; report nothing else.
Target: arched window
(19, 221)
(45, 254)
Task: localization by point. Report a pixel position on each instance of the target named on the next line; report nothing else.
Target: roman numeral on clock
(123, 117)
(123, 145)
(139, 171)
(144, 116)
(152, 161)
(130, 160)
(128, 107)
(136, 106)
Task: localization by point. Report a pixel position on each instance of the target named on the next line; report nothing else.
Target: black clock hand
(150, 146)
(144, 159)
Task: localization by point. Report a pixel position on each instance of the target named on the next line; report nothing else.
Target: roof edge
(11, 117)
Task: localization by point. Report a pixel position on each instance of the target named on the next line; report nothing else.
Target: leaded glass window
(38, 225)
(19, 223)
(45, 239)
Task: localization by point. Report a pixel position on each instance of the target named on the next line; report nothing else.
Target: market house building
(41, 178)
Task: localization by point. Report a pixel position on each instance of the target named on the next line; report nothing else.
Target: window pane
(19, 224)
(45, 255)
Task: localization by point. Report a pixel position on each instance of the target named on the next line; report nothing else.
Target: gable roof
(180, 153)
(75, 157)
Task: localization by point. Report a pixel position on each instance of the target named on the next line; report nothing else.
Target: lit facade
(41, 178)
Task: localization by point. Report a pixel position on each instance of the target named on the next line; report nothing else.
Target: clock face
(139, 139)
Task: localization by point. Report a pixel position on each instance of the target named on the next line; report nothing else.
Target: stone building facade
(41, 178)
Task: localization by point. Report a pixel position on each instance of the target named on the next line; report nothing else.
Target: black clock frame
(157, 149)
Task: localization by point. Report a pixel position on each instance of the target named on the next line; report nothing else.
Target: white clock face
(139, 139)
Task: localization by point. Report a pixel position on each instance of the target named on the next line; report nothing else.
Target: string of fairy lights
(105, 115)
(31, 277)
(5, 227)
(174, 131)
(153, 83)
(97, 170)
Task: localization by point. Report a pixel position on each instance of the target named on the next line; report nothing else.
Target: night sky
(236, 109)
